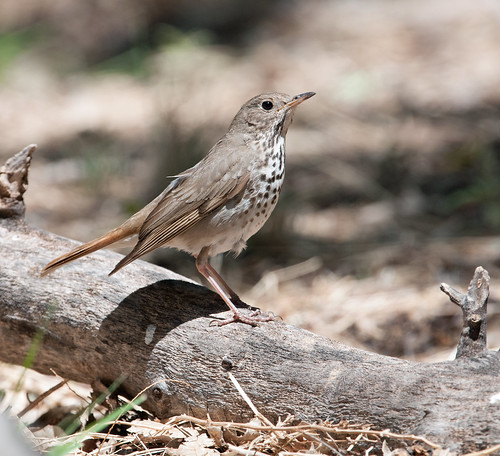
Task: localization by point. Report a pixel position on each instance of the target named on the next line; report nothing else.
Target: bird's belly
(230, 226)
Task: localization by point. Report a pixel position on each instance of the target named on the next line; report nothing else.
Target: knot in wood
(157, 393)
(227, 363)
(474, 324)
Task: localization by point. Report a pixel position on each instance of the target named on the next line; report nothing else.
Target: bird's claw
(255, 317)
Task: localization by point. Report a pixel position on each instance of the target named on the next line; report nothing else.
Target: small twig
(245, 452)
(40, 398)
(304, 427)
(82, 398)
(322, 442)
(293, 453)
(455, 296)
(248, 401)
(485, 452)
(353, 444)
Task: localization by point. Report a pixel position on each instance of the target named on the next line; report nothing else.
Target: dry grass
(136, 433)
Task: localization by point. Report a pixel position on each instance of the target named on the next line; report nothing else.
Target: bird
(219, 203)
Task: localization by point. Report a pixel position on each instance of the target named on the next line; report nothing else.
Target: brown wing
(195, 194)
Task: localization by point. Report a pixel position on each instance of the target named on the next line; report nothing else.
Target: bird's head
(268, 113)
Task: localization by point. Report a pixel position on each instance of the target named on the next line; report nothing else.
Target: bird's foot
(253, 319)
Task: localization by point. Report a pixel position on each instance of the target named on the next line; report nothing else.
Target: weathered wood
(14, 181)
(474, 311)
(152, 325)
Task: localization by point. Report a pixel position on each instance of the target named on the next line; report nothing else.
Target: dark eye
(267, 105)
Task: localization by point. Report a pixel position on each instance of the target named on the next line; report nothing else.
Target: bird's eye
(267, 105)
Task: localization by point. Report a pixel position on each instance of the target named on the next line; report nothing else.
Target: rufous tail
(113, 236)
(127, 229)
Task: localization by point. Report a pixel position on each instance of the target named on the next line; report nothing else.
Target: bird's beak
(297, 99)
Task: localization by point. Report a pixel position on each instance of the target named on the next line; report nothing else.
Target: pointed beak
(297, 99)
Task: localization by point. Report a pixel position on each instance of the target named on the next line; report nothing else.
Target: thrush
(219, 203)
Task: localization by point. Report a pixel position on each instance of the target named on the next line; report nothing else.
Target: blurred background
(393, 168)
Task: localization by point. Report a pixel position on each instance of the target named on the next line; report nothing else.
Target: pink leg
(225, 292)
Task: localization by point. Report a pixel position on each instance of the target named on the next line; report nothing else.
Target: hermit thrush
(216, 205)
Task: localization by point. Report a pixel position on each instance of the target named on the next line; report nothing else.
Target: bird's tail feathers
(109, 238)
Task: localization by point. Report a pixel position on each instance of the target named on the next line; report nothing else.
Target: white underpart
(241, 219)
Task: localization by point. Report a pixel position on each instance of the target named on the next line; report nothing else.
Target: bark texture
(474, 311)
(152, 325)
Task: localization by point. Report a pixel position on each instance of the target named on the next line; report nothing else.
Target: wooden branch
(474, 309)
(152, 325)
(14, 181)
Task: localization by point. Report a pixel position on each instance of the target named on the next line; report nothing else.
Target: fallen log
(152, 327)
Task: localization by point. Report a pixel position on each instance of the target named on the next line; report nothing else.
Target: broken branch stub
(472, 340)
(13, 183)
